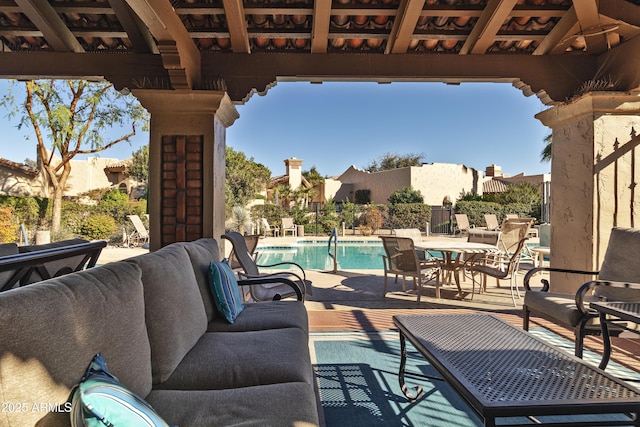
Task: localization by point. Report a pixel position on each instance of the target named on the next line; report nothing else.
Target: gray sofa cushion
(175, 314)
(265, 315)
(240, 359)
(52, 330)
(201, 253)
(288, 404)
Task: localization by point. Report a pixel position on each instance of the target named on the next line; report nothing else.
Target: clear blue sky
(335, 125)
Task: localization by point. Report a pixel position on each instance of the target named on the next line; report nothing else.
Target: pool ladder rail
(333, 237)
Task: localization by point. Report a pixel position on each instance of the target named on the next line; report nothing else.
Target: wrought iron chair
(251, 270)
(619, 267)
(400, 258)
(251, 242)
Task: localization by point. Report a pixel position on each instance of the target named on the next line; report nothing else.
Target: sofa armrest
(272, 279)
(545, 283)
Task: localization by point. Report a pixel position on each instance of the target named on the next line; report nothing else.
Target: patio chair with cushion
(289, 226)
(400, 258)
(250, 270)
(462, 224)
(620, 266)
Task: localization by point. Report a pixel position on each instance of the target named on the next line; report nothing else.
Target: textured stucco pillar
(594, 168)
(186, 163)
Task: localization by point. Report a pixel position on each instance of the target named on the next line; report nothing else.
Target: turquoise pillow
(225, 289)
(100, 400)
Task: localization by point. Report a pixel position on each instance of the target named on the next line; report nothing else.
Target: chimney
(493, 170)
(294, 171)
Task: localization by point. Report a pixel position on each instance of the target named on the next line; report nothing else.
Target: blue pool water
(352, 255)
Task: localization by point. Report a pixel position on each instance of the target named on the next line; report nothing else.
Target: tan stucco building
(434, 180)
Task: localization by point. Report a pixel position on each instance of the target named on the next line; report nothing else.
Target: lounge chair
(513, 230)
(251, 270)
(289, 226)
(140, 236)
(267, 229)
(462, 224)
(619, 267)
(492, 222)
(400, 259)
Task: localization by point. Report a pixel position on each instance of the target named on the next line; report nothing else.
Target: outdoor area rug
(357, 379)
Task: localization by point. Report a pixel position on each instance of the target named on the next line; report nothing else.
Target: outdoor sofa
(154, 319)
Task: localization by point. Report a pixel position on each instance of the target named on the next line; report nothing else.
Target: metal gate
(441, 220)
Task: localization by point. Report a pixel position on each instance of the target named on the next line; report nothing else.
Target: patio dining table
(455, 253)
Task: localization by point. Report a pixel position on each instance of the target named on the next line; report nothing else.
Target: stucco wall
(435, 181)
(88, 175)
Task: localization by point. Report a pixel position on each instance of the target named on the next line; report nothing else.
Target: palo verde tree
(71, 118)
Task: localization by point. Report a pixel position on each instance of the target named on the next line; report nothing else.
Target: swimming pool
(352, 255)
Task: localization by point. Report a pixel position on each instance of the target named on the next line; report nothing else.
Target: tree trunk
(56, 214)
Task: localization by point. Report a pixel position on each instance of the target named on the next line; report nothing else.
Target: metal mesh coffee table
(503, 371)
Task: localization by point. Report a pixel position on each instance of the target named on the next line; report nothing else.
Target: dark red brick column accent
(182, 186)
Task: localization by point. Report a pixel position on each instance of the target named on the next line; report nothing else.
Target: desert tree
(71, 118)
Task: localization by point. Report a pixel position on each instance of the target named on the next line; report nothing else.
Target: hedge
(408, 215)
(476, 210)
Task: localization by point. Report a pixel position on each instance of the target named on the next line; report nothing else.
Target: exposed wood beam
(320, 30)
(558, 33)
(590, 26)
(139, 35)
(488, 25)
(180, 54)
(234, 14)
(404, 25)
(621, 10)
(54, 30)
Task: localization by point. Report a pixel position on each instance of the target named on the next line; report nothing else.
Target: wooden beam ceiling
(561, 31)
(235, 16)
(404, 26)
(491, 20)
(320, 29)
(180, 55)
(137, 33)
(590, 26)
(53, 28)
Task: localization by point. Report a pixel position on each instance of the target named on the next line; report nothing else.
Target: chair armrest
(304, 276)
(545, 283)
(302, 284)
(588, 288)
(272, 279)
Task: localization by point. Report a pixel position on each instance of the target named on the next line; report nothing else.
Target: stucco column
(186, 163)
(594, 169)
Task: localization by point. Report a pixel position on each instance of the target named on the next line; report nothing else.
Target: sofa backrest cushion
(52, 330)
(202, 252)
(621, 264)
(175, 313)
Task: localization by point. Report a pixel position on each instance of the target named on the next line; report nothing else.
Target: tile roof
(18, 167)
(494, 185)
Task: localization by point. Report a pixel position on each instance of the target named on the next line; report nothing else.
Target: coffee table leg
(606, 339)
(403, 361)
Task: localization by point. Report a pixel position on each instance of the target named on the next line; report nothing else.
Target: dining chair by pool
(400, 258)
(251, 269)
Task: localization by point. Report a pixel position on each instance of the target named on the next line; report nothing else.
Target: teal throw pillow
(225, 289)
(100, 400)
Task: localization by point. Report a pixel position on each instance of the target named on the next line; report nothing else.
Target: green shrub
(99, 226)
(406, 195)
(273, 213)
(409, 215)
(8, 228)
